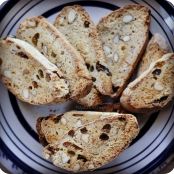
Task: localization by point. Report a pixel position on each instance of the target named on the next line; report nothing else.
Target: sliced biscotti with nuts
(52, 128)
(75, 23)
(29, 75)
(50, 42)
(124, 35)
(152, 90)
(156, 48)
(94, 144)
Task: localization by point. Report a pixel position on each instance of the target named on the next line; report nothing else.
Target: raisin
(48, 78)
(84, 130)
(107, 128)
(101, 67)
(86, 24)
(122, 119)
(41, 73)
(90, 67)
(34, 83)
(53, 54)
(115, 88)
(66, 144)
(156, 72)
(104, 137)
(161, 99)
(57, 118)
(22, 54)
(81, 157)
(71, 152)
(71, 133)
(0, 61)
(93, 79)
(35, 38)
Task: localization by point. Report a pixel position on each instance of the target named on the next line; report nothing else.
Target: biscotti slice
(124, 35)
(154, 89)
(75, 23)
(29, 75)
(52, 128)
(93, 145)
(156, 48)
(50, 42)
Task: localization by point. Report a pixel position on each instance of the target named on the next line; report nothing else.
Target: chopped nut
(72, 15)
(91, 166)
(63, 121)
(116, 57)
(76, 167)
(25, 93)
(78, 124)
(65, 158)
(116, 39)
(126, 38)
(107, 50)
(34, 83)
(127, 18)
(85, 138)
(7, 73)
(158, 86)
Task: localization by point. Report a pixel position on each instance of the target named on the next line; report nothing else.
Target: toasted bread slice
(156, 48)
(48, 126)
(154, 89)
(49, 41)
(124, 35)
(29, 75)
(94, 144)
(75, 23)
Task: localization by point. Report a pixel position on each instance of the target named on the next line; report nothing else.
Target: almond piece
(78, 124)
(126, 38)
(107, 50)
(72, 15)
(85, 138)
(116, 39)
(65, 158)
(127, 18)
(91, 166)
(158, 86)
(63, 121)
(25, 93)
(7, 73)
(116, 57)
(76, 167)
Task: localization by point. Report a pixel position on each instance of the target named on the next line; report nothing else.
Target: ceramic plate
(19, 141)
